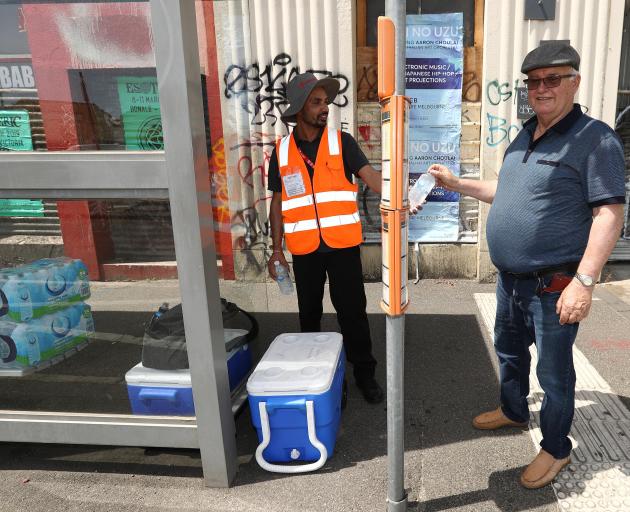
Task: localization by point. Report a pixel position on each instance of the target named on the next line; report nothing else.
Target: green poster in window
(15, 131)
(15, 135)
(140, 108)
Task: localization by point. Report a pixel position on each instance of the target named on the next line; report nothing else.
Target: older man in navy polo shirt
(556, 214)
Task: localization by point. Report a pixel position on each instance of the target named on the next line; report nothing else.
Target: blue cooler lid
(297, 363)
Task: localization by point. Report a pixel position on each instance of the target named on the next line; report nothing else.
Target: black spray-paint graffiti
(269, 87)
(255, 233)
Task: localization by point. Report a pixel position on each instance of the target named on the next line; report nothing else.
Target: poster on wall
(15, 135)
(433, 76)
(140, 112)
(15, 131)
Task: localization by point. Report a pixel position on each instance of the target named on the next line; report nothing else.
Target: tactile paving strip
(599, 476)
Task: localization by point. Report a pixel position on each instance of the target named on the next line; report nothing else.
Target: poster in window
(15, 135)
(140, 109)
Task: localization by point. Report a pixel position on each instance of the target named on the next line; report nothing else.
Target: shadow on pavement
(438, 395)
(503, 489)
(449, 378)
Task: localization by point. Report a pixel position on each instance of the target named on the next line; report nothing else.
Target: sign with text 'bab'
(16, 75)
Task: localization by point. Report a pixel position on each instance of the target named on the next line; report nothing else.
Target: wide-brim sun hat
(299, 89)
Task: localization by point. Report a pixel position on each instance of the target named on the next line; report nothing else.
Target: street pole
(396, 11)
(394, 207)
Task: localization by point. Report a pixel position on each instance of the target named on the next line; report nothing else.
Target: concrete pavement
(451, 375)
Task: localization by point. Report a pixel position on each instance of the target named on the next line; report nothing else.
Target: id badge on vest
(293, 184)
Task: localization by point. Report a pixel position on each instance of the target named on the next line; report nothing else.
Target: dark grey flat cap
(551, 54)
(301, 86)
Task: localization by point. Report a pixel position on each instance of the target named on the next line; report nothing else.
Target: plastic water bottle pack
(42, 287)
(29, 344)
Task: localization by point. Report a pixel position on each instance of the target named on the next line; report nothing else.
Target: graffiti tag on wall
(263, 91)
(500, 130)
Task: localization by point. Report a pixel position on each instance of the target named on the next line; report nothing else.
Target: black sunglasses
(550, 81)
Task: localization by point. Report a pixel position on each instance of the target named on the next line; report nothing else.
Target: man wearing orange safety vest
(314, 208)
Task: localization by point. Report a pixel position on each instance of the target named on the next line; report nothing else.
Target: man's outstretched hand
(443, 177)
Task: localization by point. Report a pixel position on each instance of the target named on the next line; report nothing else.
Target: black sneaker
(372, 391)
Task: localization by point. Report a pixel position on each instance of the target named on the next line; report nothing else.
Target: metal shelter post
(394, 206)
(177, 58)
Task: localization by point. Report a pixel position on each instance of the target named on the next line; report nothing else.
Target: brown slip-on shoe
(542, 470)
(495, 419)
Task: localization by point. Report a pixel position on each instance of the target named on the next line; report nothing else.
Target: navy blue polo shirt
(541, 215)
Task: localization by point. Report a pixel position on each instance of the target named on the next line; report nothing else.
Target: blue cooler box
(295, 400)
(160, 392)
(169, 392)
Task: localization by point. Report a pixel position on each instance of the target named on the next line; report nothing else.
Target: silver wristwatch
(586, 280)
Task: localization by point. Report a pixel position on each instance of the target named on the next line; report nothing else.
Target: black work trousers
(345, 277)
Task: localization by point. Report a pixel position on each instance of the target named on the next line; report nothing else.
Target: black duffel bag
(164, 342)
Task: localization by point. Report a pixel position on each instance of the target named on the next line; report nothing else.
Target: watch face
(585, 280)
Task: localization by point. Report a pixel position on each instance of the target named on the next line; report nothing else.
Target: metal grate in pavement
(599, 476)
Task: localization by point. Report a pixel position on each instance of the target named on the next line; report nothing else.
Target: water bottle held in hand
(420, 190)
(283, 278)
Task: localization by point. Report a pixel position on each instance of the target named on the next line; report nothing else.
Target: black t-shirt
(353, 160)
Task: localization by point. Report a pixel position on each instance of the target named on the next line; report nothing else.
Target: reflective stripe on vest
(339, 220)
(297, 202)
(301, 225)
(344, 195)
(333, 143)
(283, 158)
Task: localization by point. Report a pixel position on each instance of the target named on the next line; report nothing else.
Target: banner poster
(140, 109)
(15, 135)
(433, 75)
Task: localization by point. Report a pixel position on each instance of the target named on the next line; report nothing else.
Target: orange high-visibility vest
(328, 206)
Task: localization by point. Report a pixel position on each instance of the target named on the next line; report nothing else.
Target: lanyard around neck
(306, 159)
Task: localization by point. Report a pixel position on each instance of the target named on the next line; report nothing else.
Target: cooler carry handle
(158, 394)
(266, 433)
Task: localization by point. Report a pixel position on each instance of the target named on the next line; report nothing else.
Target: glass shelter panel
(74, 332)
(78, 76)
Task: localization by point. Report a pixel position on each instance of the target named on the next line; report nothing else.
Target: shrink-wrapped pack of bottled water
(43, 318)
(42, 287)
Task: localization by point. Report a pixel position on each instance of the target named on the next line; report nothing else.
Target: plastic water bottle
(283, 278)
(420, 190)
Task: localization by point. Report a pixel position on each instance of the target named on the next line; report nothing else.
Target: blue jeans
(526, 315)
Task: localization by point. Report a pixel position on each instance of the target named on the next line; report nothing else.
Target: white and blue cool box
(169, 392)
(295, 400)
